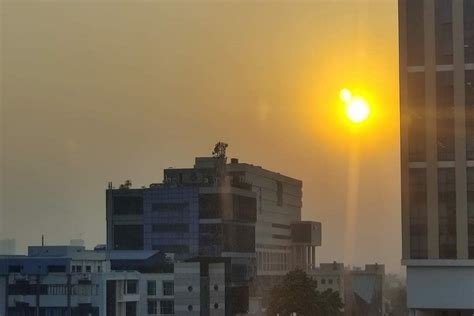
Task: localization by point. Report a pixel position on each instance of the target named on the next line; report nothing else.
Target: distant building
(217, 209)
(77, 242)
(362, 291)
(68, 280)
(7, 247)
(437, 154)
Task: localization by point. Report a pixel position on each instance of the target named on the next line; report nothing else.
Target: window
(216, 287)
(239, 238)
(168, 288)
(216, 306)
(468, 31)
(330, 281)
(166, 307)
(444, 32)
(323, 281)
(99, 268)
(169, 207)
(279, 193)
(415, 36)
(445, 115)
(282, 226)
(469, 90)
(128, 237)
(244, 208)
(418, 214)
(128, 205)
(416, 113)
(14, 269)
(170, 228)
(152, 307)
(56, 269)
(447, 213)
(88, 269)
(190, 288)
(470, 210)
(151, 288)
(190, 308)
(131, 287)
(79, 269)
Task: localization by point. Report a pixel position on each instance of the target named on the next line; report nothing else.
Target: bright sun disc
(357, 110)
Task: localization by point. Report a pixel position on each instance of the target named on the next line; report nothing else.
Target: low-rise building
(69, 281)
(361, 290)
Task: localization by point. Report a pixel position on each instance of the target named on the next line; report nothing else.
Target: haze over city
(108, 91)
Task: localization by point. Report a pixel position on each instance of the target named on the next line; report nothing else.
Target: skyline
(90, 97)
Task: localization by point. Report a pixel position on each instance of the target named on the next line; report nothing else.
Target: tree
(298, 294)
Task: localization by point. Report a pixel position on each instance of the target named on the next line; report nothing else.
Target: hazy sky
(98, 91)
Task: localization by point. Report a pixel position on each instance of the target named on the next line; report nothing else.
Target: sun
(357, 109)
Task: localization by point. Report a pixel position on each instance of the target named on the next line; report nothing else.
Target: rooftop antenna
(219, 150)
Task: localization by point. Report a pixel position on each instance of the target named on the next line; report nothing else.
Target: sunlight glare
(357, 109)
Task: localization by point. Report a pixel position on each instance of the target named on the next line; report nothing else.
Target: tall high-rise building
(437, 154)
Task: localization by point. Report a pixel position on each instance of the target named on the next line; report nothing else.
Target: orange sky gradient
(98, 91)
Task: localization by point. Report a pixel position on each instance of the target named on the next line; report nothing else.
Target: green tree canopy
(298, 294)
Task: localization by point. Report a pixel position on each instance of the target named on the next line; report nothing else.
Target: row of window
(443, 29)
(25, 288)
(88, 269)
(268, 261)
(445, 116)
(418, 205)
(168, 288)
(166, 307)
(328, 281)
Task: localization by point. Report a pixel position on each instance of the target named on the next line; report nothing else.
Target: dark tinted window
(447, 213)
(14, 269)
(166, 307)
(469, 31)
(279, 193)
(56, 268)
(170, 207)
(469, 88)
(445, 115)
(128, 205)
(444, 32)
(170, 228)
(416, 116)
(239, 238)
(128, 237)
(209, 206)
(210, 239)
(418, 214)
(470, 210)
(415, 35)
(245, 208)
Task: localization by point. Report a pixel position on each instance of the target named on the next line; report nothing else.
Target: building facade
(361, 290)
(219, 209)
(437, 154)
(72, 281)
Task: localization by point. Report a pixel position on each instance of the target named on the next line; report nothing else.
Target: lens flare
(345, 95)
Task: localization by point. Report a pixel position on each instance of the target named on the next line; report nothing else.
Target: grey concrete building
(437, 154)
